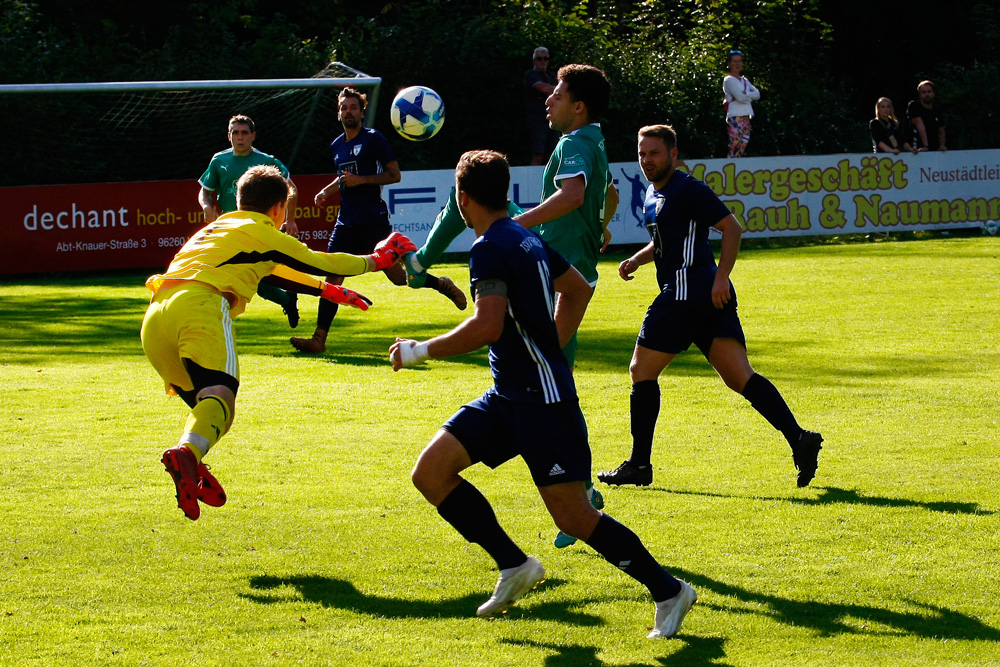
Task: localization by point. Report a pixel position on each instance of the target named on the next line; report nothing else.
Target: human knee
(439, 464)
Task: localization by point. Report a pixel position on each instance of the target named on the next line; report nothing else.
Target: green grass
(326, 555)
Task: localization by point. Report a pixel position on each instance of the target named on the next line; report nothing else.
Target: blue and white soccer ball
(991, 227)
(417, 113)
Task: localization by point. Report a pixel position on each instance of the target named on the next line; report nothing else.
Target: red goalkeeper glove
(338, 294)
(390, 249)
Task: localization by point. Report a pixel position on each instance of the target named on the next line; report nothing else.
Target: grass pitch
(326, 555)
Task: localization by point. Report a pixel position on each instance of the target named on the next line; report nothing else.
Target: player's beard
(659, 174)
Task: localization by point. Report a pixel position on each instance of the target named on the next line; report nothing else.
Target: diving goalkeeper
(187, 333)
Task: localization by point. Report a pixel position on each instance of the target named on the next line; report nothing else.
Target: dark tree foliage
(820, 65)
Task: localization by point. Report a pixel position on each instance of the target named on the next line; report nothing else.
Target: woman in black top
(887, 136)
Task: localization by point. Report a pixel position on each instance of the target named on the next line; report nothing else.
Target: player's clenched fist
(405, 352)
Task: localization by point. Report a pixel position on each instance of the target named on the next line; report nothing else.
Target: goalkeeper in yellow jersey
(187, 332)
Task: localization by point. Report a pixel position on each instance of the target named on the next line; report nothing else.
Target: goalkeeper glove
(338, 294)
(390, 249)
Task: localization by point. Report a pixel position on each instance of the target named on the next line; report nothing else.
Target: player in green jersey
(218, 195)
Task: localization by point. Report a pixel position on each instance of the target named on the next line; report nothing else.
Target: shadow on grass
(340, 594)
(694, 652)
(830, 618)
(70, 325)
(831, 495)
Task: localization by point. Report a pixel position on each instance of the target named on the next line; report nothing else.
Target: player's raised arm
(568, 198)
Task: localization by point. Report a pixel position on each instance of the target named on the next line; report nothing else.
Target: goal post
(64, 133)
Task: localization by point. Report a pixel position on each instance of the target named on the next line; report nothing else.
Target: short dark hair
(260, 188)
(355, 93)
(485, 176)
(589, 85)
(240, 118)
(665, 132)
(926, 82)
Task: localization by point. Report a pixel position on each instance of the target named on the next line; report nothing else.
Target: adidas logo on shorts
(556, 470)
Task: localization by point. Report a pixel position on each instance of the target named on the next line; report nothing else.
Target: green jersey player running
(578, 195)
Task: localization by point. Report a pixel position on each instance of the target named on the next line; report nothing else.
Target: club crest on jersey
(356, 150)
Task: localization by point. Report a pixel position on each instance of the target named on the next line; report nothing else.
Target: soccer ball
(991, 227)
(417, 113)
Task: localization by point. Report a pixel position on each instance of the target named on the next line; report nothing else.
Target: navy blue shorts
(671, 326)
(357, 239)
(551, 438)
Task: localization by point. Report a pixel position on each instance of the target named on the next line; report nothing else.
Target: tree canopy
(820, 65)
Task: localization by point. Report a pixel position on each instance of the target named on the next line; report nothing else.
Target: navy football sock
(327, 311)
(623, 549)
(766, 399)
(644, 408)
(468, 511)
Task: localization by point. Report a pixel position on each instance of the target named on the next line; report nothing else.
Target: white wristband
(413, 353)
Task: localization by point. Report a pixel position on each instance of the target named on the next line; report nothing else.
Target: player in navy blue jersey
(528, 302)
(696, 304)
(364, 163)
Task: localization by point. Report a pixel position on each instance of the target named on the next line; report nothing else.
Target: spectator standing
(539, 83)
(887, 135)
(739, 94)
(926, 120)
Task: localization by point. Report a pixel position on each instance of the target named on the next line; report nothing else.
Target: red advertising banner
(121, 225)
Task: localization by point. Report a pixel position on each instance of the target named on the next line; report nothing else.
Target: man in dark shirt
(696, 304)
(364, 162)
(926, 120)
(539, 83)
(528, 302)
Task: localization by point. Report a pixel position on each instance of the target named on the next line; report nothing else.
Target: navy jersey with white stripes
(364, 155)
(678, 218)
(527, 363)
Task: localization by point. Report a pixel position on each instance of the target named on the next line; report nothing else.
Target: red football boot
(183, 468)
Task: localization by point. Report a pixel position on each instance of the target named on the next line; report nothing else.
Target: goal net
(167, 130)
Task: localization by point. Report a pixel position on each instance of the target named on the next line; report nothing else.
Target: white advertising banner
(770, 196)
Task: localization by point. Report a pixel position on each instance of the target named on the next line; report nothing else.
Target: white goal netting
(97, 133)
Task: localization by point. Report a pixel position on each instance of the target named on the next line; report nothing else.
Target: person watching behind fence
(887, 135)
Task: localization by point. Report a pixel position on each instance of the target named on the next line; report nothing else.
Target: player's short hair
(539, 50)
(484, 175)
(355, 93)
(240, 118)
(589, 85)
(665, 132)
(260, 188)
(926, 82)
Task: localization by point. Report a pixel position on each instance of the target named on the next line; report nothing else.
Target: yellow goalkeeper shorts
(189, 321)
